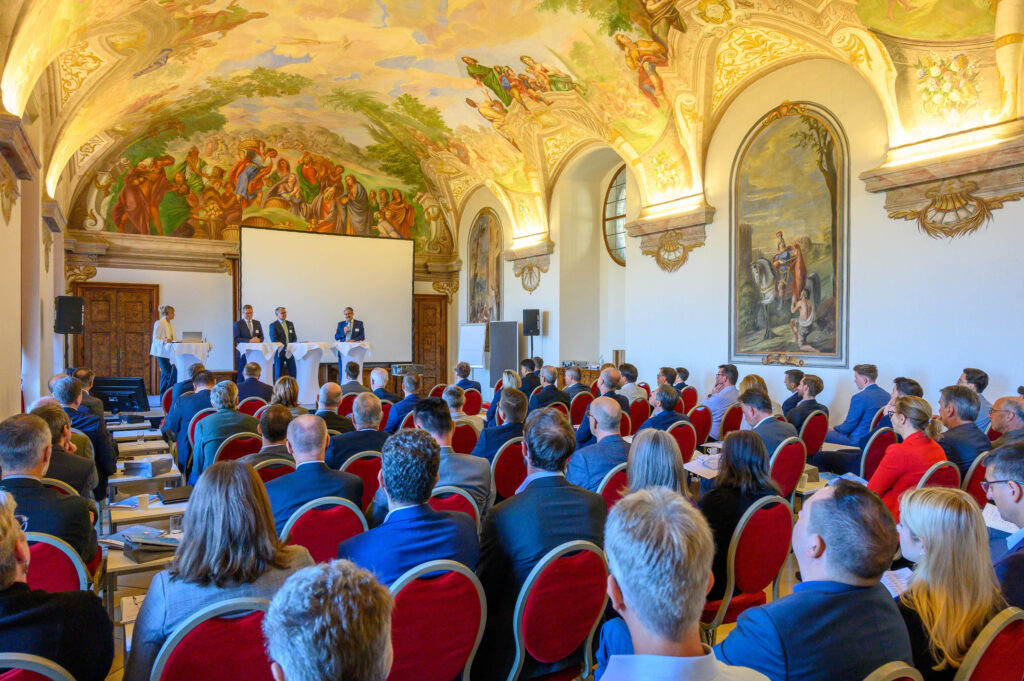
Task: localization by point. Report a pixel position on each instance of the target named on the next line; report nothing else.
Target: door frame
(443, 299)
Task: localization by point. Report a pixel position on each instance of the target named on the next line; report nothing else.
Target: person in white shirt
(163, 331)
(630, 390)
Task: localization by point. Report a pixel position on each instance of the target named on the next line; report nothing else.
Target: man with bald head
(329, 401)
(588, 467)
(607, 384)
(312, 479)
(1008, 418)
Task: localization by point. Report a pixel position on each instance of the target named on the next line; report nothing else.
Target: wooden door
(430, 338)
(118, 329)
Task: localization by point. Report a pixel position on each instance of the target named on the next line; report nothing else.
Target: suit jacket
(102, 445)
(241, 332)
(93, 405)
(411, 536)
(663, 421)
(546, 396)
(1009, 566)
(353, 387)
(575, 389)
(358, 332)
(963, 444)
(773, 432)
(399, 411)
(342, 447)
(384, 395)
(492, 439)
(902, 467)
(679, 386)
(798, 414)
(587, 467)
(824, 630)
(468, 472)
(514, 537)
(254, 387)
(310, 481)
(863, 407)
(1010, 437)
(790, 402)
(181, 414)
(336, 421)
(466, 384)
(277, 333)
(212, 431)
(70, 628)
(584, 437)
(76, 471)
(491, 419)
(268, 453)
(51, 512)
(180, 388)
(529, 383)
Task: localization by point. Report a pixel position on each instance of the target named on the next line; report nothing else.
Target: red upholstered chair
(545, 629)
(731, 420)
(474, 401)
(593, 389)
(894, 671)
(679, 407)
(251, 405)
(942, 474)
(689, 397)
(438, 390)
(560, 406)
(578, 407)
(200, 415)
(993, 434)
(222, 641)
(813, 432)
(345, 407)
(639, 411)
(237, 446)
(757, 552)
(497, 386)
(875, 450)
(625, 426)
(877, 418)
(787, 464)
(26, 667)
(259, 412)
(686, 438)
(613, 486)
(385, 410)
(322, 524)
(55, 565)
(508, 470)
(273, 469)
(995, 653)
(408, 422)
(972, 481)
(365, 465)
(646, 387)
(167, 400)
(451, 498)
(700, 417)
(59, 486)
(464, 438)
(421, 595)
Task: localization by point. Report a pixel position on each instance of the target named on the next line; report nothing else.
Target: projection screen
(316, 276)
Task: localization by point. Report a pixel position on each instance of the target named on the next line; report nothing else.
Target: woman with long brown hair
(286, 393)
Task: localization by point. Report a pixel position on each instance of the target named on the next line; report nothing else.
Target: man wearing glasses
(723, 396)
(1004, 485)
(1008, 418)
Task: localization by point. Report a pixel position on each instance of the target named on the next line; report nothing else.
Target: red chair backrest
(447, 498)
(646, 387)
(689, 398)
(366, 466)
(438, 390)
(237, 446)
(787, 464)
(686, 438)
(474, 400)
(731, 420)
(875, 450)
(259, 412)
(422, 595)
(202, 414)
(497, 386)
(625, 425)
(593, 389)
(464, 438)
(993, 434)
(272, 470)
(679, 407)
(345, 408)
(221, 648)
(972, 481)
(408, 422)
(166, 400)
(251, 405)
(560, 406)
(813, 432)
(321, 528)
(762, 545)
(59, 486)
(385, 410)
(614, 485)
(578, 407)
(877, 418)
(639, 411)
(995, 654)
(55, 565)
(942, 474)
(508, 468)
(700, 417)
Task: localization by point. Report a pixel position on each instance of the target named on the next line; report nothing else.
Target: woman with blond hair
(286, 393)
(755, 382)
(953, 592)
(163, 333)
(509, 379)
(655, 461)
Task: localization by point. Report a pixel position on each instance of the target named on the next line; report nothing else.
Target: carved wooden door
(430, 338)
(118, 329)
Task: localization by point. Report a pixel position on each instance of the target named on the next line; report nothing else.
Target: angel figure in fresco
(494, 113)
(791, 271)
(487, 77)
(644, 57)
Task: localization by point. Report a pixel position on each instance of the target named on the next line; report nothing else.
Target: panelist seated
(379, 385)
(351, 329)
(283, 331)
(462, 371)
(366, 415)
(549, 392)
(512, 408)
(252, 386)
(211, 432)
(809, 388)
(856, 429)
(351, 378)
(246, 330)
(274, 431)
(178, 419)
(589, 465)
(663, 399)
(329, 401)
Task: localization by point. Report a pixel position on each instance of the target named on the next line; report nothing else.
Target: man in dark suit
(181, 414)
(682, 374)
(606, 385)
(349, 330)
(546, 512)
(573, 387)
(549, 391)
(68, 391)
(512, 408)
(530, 380)
(312, 479)
(664, 400)
(252, 386)
(589, 465)
(856, 429)
(840, 618)
(462, 370)
(962, 441)
(757, 411)
(77, 471)
(93, 405)
(413, 533)
(378, 384)
(366, 413)
(217, 427)
(25, 450)
(901, 387)
(1004, 473)
(329, 401)
(273, 429)
(810, 387)
(283, 331)
(247, 330)
(351, 377)
(401, 409)
(792, 380)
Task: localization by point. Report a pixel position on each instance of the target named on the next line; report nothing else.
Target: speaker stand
(531, 347)
(66, 362)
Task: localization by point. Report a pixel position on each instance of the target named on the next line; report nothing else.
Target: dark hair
(977, 378)
(744, 464)
(867, 371)
(352, 370)
(55, 418)
(274, 422)
(513, 404)
(908, 386)
(794, 376)
(67, 389)
(204, 378)
(814, 383)
(629, 372)
(528, 364)
(730, 372)
(669, 373)
(682, 373)
(410, 459)
(965, 402)
(756, 399)
(432, 415)
(195, 369)
(859, 531)
(1007, 462)
(668, 396)
(549, 439)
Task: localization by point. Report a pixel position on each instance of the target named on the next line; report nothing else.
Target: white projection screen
(316, 276)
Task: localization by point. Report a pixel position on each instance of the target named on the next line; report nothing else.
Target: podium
(352, 351)
(262, 354)
(307, 367)
(185, 355)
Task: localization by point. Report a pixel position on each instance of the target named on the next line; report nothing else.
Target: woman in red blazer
(905, 463)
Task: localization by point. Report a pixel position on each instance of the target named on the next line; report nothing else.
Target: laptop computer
(192, 337)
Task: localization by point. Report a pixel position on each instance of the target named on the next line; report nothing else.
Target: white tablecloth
(262, 354)
(353, 351)
(308, 357)
(184, 355)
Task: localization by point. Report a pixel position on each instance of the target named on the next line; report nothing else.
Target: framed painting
(484, 281)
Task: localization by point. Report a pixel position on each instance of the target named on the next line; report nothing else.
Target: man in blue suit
(530, 381)
(412, 533)
(512, 407)
(607, 383)
(247, 330)
(856, 429)
(664, 400)
(252, 386)
(180, 416)
(462, 370)
(549, 392)
(312, 479)
(840, 623)
(350, 330)
(810, 387)
(792, 380)
(401, 409)
(589, 465)
(1004, 478)
(379, 383)
(901, 387)
(182, 387)
(682, 374)
(757, 411)
(283, 331)
(366, 416)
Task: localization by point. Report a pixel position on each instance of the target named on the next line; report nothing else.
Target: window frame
(605, 219)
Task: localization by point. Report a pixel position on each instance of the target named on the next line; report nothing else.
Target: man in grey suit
(215, 428)
(93, 404)
(757, 410)
(352, 385)
(274, 422)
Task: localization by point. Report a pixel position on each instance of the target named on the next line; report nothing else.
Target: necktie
(284, 328)
(249, 323)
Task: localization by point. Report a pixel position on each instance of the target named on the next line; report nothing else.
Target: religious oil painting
(485, 248)
(789, 240)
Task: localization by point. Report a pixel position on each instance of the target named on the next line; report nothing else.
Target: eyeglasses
(985, 484)
(998, 411)
(22, 520)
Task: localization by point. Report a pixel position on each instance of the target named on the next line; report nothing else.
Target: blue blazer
(254, 387)
(466, 384)
(546, 396)
(823, 630)
(863, 407)
(798, 414)
(1009, 569)
(385, 395)
(342, 447)
(662, 421)
(583, 435)
(180, 416)
(399, 411)
(180, 388)
(310, 481)
(242, 332)
(411, 536)
(358, 333)
(790, 402)
(492, 439)
(529, 383)
(492, 411)
(588, 467)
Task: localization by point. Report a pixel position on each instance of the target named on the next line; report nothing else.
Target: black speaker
(69, 314)
(531, 322)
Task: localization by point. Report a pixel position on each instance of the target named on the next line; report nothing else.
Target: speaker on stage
(69, 314)
(531, 322)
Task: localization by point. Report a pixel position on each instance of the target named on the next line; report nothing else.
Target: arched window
(615, 217)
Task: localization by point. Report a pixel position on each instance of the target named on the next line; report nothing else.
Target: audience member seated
(462, 370)
(212, 430)
(412, 533)
(76, 471)
(809, 388)
(538, 362)
(93, 405)
(68, 391)
(24, 457)
(352, 383)
(757, 412)
(1004, 485)
(1007, 418)
(977, 380)
(589, 465)
(722, 396)
(312, 479)
(367, 436)
(573, 387)
(666, 375)
(682, 375)
(655, 461)
(529, 380)
(252, 386)
(455, 398)
(329, 400)
(401, 409)
(856, 429)
(286, 393)
(70, 628)
(83, 446)
(901, 387)
(743, 478)
(953, 592)
(545, 512)
(606, 384)
(330, 622)
(792, 380)
(181, 414)
(182, 387)
(659, 558)
(273, 428)
(755, 382)
(963, 442)
(549, 392)
(379, 385)
(663, 400)
(228, 549)
(509, 379)
(839, 623)
(629, 389)
(513, 411)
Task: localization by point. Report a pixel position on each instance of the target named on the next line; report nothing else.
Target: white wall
(612, 274)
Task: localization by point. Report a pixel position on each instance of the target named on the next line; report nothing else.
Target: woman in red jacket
(905, 463)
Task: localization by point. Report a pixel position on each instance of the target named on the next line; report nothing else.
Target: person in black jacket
(963, 441)
(68, 392)
(366, 413)
(530, 381)
(65, 465)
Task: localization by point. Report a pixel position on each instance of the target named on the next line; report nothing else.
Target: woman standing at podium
(163, 330)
